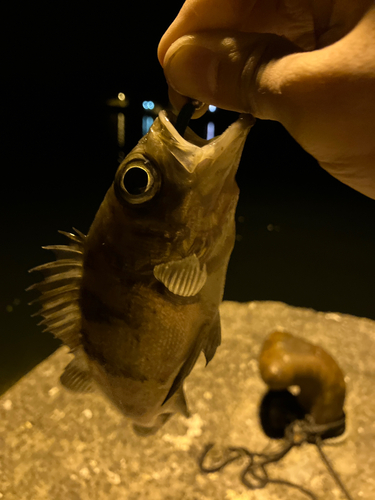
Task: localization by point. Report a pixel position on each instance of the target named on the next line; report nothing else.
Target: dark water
(303, 238)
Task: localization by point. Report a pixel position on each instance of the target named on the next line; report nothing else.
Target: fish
(137, 299)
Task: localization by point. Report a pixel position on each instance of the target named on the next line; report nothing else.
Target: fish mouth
(191, 150)
(168, 120)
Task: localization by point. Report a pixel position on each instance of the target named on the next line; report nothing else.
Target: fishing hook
(185, 115)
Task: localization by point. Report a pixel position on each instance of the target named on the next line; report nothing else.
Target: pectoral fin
(208, 340)
(182, 277)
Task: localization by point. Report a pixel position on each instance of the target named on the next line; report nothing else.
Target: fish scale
(137, 299)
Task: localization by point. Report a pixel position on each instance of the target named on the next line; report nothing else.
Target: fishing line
(332, 471)
(184, 116)
(255, 476)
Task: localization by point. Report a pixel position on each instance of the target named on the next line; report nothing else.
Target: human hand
(308, 64)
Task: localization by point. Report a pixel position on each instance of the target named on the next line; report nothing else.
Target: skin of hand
(309, 64)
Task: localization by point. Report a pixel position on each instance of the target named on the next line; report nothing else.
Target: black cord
(254, 475)
(332, 471)
(184, 116)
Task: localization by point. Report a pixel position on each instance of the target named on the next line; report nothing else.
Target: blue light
(210, 130)
(147, 121)
(148, 105)
(211, 108)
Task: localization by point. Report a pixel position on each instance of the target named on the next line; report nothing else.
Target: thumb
(325, 98)
(223, 68)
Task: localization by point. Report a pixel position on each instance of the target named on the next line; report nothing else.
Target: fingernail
(191, 70)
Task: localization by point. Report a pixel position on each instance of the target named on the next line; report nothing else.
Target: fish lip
(168, 119)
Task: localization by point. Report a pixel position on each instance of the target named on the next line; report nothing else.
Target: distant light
(210, 130)
(211, 108)
(121, 130)
(121, 96)
(147, 121)
(148, 104)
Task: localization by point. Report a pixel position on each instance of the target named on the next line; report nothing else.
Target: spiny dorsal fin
(59, 299)
(182, 277)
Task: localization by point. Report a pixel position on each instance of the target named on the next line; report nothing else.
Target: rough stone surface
(57, 445)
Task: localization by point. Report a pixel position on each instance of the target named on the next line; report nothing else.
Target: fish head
(170, 188)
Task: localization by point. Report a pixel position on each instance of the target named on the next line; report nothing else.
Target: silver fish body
(137, 299)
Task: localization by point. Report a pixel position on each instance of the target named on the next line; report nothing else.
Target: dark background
(303, 238)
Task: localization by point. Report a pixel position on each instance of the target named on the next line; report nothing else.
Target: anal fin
(77, 379)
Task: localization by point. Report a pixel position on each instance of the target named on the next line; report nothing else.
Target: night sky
(303, 238)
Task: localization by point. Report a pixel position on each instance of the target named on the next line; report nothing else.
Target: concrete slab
(56, 445)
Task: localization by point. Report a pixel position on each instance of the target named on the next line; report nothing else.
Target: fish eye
(139, 181)
(136, 180)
